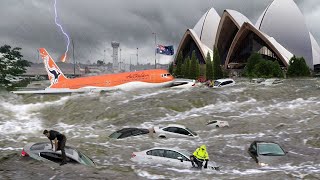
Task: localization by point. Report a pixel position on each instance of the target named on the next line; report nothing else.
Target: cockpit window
(165, 75)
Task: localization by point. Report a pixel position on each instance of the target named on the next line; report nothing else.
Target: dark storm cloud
(94, 24)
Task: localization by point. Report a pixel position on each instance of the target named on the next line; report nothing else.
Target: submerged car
(127, 132)
(217, 123)
(174, 130)
(42, 152)
(223, 83)
(167, 156)
(266, 153)
(183, 83)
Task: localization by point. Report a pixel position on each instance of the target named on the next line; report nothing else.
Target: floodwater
(287, 113)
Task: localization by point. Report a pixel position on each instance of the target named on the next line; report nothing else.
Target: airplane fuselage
(153, 76)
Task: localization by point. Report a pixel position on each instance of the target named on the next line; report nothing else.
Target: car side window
(125, 134)
(156, 152)
(225, 83)
(136, 132)
(55, 157)
(174, 155)
(183, 131)
(171, 129)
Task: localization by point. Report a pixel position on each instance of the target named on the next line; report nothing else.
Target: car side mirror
(253, 151)
(180, 158)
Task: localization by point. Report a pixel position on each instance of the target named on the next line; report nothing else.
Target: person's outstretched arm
(55, 144)
(51, 145)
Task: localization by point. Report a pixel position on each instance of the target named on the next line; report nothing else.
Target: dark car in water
(43, 152)
(266, 153)
(127, 132)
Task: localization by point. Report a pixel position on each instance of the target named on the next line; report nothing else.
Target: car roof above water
(185, 152)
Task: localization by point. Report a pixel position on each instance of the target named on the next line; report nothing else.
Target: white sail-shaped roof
(238, 18)
(284, 21)
(207, 26)
(315, 50)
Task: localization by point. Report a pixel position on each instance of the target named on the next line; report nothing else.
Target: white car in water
(174, 131)
(166, 156)
(183, 83)
(217, 123)
(223, 83)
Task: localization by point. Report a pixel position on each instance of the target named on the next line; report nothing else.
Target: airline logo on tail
(54, 73)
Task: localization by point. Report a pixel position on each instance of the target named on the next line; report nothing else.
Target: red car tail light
(23, 153)
(133, 155)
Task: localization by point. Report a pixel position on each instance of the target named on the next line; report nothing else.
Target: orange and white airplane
(152, 78)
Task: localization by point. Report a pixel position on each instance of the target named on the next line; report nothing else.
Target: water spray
(63, 58)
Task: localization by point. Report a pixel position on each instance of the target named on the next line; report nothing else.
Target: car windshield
(115, 135)
(195, 134)
(270, 149)
(85, 159)
(38, 146)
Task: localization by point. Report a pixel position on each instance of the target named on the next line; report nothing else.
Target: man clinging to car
(59, 143)
(200, 155)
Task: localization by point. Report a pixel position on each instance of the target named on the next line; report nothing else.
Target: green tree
(263, 69)
(100, 62)
(298, 67)
(197, 70)
(193, 66)
(209, 67)
(217, 71)
(276, 70)
(252, 61)
(179, 63)
(187, 67)
(11, 63)
(183, 70)
(170, 69)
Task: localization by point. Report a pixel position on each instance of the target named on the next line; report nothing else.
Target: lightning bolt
(63, 58)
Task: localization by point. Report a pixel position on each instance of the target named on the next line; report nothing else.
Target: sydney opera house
(279, 34)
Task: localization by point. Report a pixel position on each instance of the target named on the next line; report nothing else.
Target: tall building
(115, 46)
(278, 35)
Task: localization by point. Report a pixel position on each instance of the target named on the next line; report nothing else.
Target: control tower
(115, 45)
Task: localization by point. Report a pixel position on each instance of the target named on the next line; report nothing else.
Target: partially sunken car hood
(272, 160)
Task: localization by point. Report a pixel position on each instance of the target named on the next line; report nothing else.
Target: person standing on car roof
(59, 143)
(199, 156)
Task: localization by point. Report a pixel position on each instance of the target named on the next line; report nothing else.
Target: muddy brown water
(287, 113)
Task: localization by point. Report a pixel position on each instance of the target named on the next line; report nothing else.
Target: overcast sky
(93, 24)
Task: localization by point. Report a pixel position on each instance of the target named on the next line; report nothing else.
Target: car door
(155, 156)
(171, 132)
(183, 132)
(172, 159)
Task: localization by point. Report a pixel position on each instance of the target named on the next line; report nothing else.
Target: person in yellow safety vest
(200, 155)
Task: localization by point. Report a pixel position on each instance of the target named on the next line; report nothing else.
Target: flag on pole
(166, 50)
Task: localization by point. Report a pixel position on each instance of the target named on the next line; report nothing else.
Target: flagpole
(155, 50)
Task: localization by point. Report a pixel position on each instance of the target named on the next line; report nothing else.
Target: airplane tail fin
(54, 73)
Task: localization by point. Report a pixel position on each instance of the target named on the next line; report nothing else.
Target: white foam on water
(24, 118)
(10, 149)
(219, 107)
(147, 175)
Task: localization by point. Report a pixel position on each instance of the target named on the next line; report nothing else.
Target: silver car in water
(167, 156)
(43, 152)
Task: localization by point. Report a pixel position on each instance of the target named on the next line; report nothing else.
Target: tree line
(256, 67)
(190, 67)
